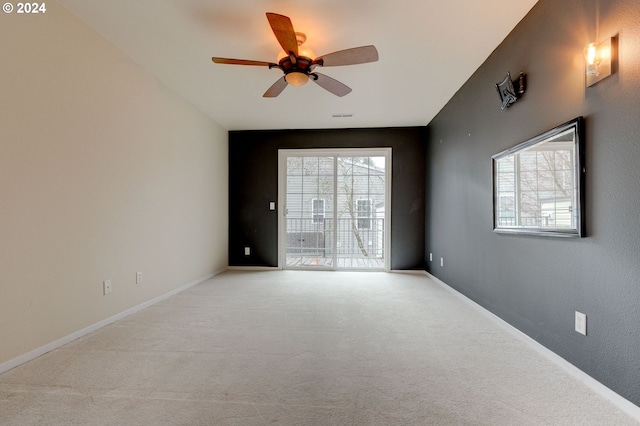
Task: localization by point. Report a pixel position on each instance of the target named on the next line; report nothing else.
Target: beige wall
(103, 172)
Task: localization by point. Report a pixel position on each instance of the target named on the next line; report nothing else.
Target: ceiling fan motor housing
(294, 63)
(296, 69)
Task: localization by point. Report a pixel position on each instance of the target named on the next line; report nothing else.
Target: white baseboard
(407, 271)
(253, 268)
(21, 359)
(624, 404)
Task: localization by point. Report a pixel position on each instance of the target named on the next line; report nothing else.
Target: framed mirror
(538, 184)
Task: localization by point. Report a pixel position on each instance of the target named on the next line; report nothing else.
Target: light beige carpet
(302, 348)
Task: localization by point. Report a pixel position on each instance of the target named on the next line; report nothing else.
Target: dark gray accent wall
(253, 183)
(537, 283)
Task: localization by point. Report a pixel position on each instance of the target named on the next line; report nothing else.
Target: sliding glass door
(333, 209)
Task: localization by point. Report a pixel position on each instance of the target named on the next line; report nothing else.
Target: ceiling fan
(298, 63)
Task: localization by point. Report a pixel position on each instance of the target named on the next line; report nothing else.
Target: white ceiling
(427, 48)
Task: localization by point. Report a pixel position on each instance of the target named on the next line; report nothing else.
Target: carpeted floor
(302, 348)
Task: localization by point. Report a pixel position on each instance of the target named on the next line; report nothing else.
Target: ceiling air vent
(341, 115)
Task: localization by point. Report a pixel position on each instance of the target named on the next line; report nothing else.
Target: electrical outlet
(442, 261)
(581, 323)
(138, 277)
(106, 287)
(430, 257)
(247, 251)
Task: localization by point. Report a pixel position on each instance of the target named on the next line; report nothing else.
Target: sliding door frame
(283, 154)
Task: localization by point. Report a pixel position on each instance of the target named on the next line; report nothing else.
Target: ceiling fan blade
(276, 88)
(242, 62)
(353, 56)
(283, 30)
(331, 84)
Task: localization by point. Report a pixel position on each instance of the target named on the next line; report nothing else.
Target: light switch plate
(106, 287)
(581, 323)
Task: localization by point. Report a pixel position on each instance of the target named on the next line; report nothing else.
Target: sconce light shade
(590, 52)
(599, 60)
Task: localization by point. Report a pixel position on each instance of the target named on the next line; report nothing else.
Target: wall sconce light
(599, 60)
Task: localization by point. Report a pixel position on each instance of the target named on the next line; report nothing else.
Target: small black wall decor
(507, 92)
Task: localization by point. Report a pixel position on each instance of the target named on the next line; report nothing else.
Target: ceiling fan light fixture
(296, 78)
(298, 63)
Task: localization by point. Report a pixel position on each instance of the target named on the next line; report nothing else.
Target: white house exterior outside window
(363, 213)
(317, 207)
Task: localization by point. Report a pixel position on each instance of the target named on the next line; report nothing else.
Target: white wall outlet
(106, 287)
(138, 277)
(247, 251)
(442, 261)
(272, 205)
(581, 323)
(430, 257)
